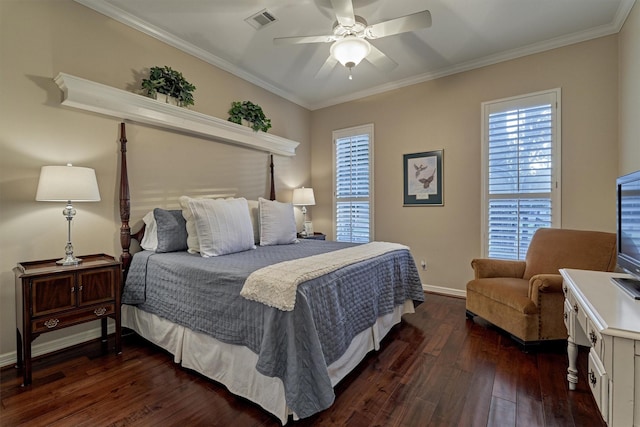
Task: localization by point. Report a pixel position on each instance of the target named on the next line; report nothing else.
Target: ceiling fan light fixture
(350, 50)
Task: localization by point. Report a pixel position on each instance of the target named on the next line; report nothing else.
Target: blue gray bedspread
(203, 294)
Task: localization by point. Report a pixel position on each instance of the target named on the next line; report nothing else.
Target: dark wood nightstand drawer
(62, 320)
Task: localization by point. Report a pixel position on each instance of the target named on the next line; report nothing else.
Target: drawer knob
(575, 307)
(564, 289)
(51, 323)
(565, 316)
(592, 378)
(593, 337)
(100, 311)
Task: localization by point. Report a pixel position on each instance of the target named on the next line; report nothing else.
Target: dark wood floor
(435, 369)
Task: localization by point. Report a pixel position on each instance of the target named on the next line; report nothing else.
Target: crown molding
(162, 35)
(581, 36)
(98, 98)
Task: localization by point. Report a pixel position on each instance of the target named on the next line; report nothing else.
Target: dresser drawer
(581, 316)
(575, 319)
(598, 383)
(568, 317)
(62, 320)
(597, 343)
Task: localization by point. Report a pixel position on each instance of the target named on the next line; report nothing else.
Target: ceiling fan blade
(403, 24)
(304, 39)
(380, 60)
(344, 12)
(326, 68)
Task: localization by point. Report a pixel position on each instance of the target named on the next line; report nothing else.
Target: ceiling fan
(350, 35)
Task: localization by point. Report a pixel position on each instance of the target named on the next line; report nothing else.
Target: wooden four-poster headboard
(125, 205)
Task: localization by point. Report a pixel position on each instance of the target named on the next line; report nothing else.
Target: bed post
(272, 195)
(125, 209)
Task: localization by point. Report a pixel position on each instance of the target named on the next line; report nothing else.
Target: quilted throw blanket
(276, 284)
(297, 346)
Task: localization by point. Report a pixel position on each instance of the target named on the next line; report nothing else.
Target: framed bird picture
(423, 184)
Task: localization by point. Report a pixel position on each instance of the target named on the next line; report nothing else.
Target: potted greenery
(252, 113)
(169, 82)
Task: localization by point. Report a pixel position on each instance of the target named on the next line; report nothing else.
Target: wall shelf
(98, 98)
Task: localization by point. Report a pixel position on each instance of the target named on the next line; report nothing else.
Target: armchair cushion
(508, 291)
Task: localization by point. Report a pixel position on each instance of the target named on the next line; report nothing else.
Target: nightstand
(315, 236)
(51, 297)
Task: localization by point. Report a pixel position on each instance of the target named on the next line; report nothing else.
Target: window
(521, 171)
(353, 184)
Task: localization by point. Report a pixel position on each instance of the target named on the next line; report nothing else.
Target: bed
(276, 320)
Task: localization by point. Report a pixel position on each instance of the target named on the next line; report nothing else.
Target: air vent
(261, 19)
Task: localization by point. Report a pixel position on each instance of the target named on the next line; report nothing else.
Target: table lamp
(68, 184)
(303, 197)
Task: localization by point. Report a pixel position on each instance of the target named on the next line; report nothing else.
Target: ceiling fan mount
(350, 37)
(357, 29)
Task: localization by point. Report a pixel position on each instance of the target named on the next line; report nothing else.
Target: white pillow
(254, 213)
(150, 238)
(277, 223)
(193, 245)
(223, 226)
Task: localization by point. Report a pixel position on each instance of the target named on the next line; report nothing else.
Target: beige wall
(629, 102)
(445, 113)
(41, 38)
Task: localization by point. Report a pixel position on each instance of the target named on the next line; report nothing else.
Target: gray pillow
(172, 230)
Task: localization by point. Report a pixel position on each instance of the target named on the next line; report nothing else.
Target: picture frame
(423, 183)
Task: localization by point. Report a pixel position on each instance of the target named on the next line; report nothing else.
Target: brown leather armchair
(525, 298)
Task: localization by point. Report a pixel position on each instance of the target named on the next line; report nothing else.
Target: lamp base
(69, 260)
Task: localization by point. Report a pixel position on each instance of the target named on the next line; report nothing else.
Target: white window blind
(353, 165)
(521, 173)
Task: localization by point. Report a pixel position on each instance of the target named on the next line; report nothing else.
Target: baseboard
(11, 358)
(445, 291)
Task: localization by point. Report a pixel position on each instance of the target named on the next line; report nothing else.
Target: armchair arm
(484, 268)
(544, 284)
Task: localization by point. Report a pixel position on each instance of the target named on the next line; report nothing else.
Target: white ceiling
(465, 34)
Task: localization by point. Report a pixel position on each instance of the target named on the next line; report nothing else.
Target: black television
(628, 232)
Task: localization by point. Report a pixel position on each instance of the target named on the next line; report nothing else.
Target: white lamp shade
(67, 183)
(350, 50)
(303, 197)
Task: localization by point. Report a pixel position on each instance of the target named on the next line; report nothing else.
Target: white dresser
(598, 314)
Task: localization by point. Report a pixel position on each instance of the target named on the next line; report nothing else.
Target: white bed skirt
(228, 363)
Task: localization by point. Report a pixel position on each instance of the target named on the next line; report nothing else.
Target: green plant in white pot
(252, 113)
(169, 82)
